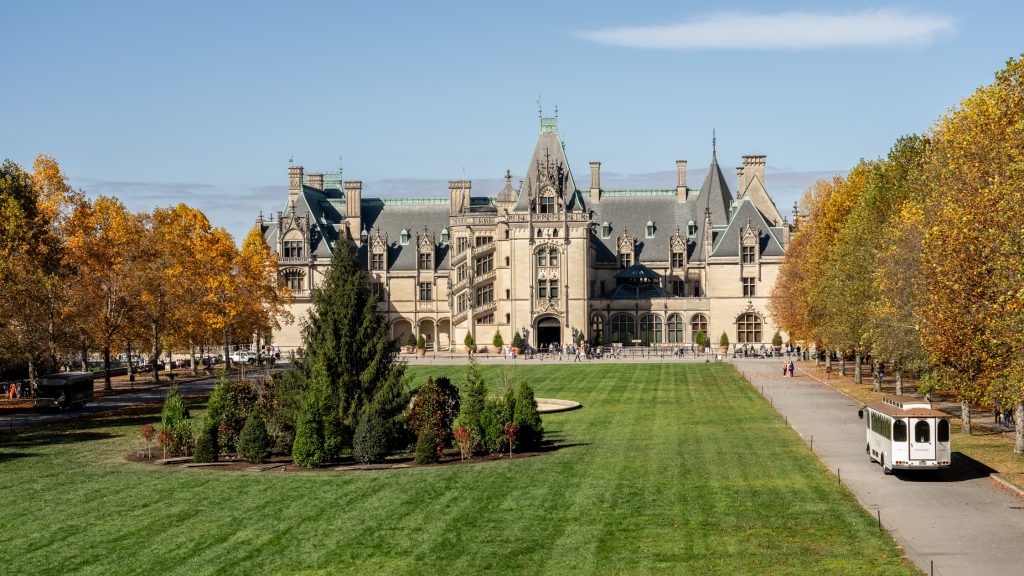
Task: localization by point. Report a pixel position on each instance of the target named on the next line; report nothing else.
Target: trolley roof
(906, 407)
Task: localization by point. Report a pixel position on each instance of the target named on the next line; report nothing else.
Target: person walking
(577, 354)
(791, 368)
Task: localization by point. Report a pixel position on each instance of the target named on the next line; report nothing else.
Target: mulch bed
(283, 463)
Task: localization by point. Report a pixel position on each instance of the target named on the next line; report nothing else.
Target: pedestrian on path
(791, 367)
(999, 414)
(785, 368)
(828, 372)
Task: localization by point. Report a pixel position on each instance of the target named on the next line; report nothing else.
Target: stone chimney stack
(742, 186)
(595, 182)
(754, 166)
(294, 182)
(681, 181)
(316, 180)
(459, 192)
(354, 207)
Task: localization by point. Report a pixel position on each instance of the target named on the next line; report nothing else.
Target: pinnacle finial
(714, 142)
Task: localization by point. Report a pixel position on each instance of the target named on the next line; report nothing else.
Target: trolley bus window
(943, 431)
(922, 432)
(899, 431)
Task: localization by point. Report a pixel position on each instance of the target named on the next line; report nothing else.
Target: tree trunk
(965, 415)
(828, 360)
(899, 381)
(1018, 430)
(227, 357)
(192, 355)
(106, 369)
(32, 373)
(877, 384)
(131, 368)
(85, 359)
(842, 364)
(155, 358)
(857, 376)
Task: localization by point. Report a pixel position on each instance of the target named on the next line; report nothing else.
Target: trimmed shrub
(254, 442)
(473, 398)
(308, 449)
(411, 342)
(498, 341)
(174, 409)
(497, 412)
(526, 416)
(517, 341)
(723, 341)
(777, 340)
(468, 340)
(372, 438)
(427, 446)
(701, 339)
(421, 344)
(206, 445)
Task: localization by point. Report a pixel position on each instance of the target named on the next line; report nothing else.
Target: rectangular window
(463, 303)
(547, 204)
(377, 261)
(485, 319)
(542, 258)
(293, 248)
(378, 287)
(625, 260)
(747, 254)
(426, 291)
(426, 261)
(678, 288)
(553, 288)
(553, 258)
(461, 272)
(748, 287)
(542, 288)
(696, 288)
(461, 243)
(483, 240)
(678, 260)
(485, 295)
(484, 265)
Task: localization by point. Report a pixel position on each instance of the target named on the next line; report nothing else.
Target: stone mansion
(548, 260)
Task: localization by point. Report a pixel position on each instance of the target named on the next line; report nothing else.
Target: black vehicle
(64, 390)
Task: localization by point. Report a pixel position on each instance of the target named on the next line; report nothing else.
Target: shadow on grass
(961, 469)
(8, 456)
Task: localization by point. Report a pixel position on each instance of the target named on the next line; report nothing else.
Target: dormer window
(546, 205)
(747, 254)
(404, 239)
(426, 261)
(293, 248)
(625, 260)
(650, 229)
(691, 229)
(377, 261)
(444, 237)
(606, 230)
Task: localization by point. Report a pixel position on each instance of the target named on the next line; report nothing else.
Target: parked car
(243, 356)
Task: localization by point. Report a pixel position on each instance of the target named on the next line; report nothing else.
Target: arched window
(623, 329)
(404, 237)
(553, 257)
(942, 431)
(293, 279)
(651, 329)
(542, 258)
(899, 431)
(699, 323)
(922, 432)
(748, 328)
(675, 329)
(597, 328)
(606, 230)
(650, 229)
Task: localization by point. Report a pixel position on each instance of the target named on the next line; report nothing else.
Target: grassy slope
(656, 475)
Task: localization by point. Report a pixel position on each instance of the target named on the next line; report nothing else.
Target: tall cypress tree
(350, 361)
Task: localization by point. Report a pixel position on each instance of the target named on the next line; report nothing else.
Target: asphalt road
(960, 518)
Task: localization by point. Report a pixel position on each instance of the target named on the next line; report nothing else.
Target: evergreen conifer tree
(474, 396)
(350, 360)
(531, 430)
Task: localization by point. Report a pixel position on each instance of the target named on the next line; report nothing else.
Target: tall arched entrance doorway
(549, 332)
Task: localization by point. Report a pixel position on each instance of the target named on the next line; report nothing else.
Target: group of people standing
(787, 369)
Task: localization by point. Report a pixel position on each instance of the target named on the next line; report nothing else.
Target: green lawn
(674, 468)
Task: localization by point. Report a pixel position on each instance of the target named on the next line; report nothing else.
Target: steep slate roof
(391, 215)
(631, 210)
(714, 194)
(727, 242)
(549, 149)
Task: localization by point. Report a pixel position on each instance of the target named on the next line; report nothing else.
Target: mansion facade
(549, 260)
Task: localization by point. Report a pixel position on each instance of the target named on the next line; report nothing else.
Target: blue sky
(205, 102)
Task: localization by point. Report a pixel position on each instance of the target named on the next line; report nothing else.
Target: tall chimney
(316, 180)
(739, 181)
(354, 207)
(294, 182)
(754, 166)
(459, 192)
(595, 182)
(681, 181)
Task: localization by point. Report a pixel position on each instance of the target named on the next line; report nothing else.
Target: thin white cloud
(783, 31)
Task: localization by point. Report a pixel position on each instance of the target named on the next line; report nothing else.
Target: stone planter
(421, 352)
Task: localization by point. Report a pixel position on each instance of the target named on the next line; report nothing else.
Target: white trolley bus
(905, 433)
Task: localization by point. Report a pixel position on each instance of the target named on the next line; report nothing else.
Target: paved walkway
(961, 518)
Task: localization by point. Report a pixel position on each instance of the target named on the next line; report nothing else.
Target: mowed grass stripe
(668, 469)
